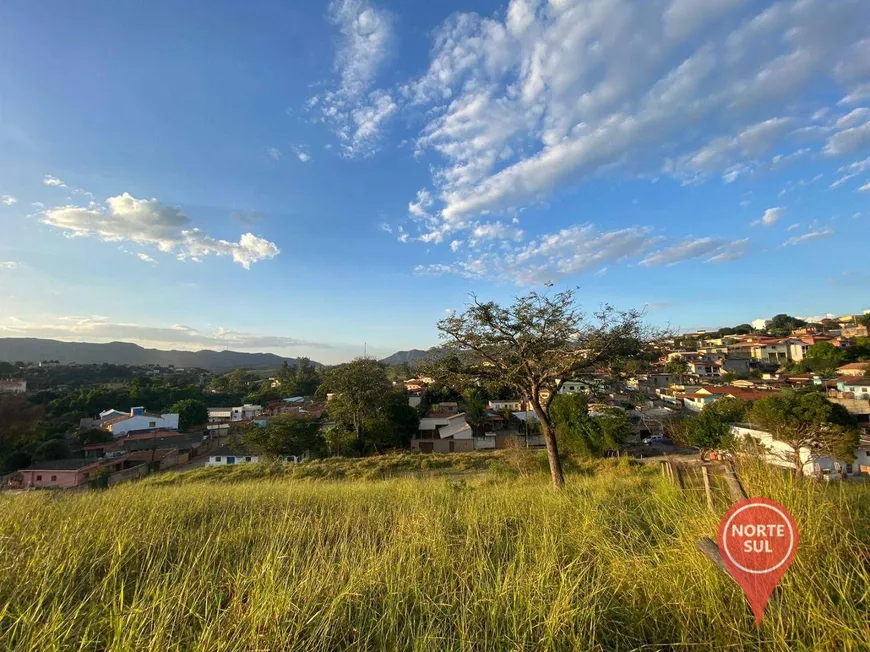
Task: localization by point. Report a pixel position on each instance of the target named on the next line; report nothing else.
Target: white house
(220, 414)
(138, 421)
(777, 453)
(13, 386)
(456, 436)
(514, 405)
(226, 455)
(246, 412)
(759, 324)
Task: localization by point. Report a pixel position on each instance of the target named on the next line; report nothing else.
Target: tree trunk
(556, 473)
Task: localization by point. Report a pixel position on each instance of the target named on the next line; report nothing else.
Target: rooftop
(62, 465)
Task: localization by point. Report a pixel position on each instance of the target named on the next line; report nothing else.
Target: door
(426, 446)
(231, 460)
(452, 445)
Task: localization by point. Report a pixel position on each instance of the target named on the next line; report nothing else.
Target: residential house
(138, 421)
(67, 474)
(857, 386)
(759, 324)
(514, 405)
(457, 436)
(429, 426)
(220, 414)
(797, 348)
(854, 369)
(705, 369)
(649, 383)
(246, 412)
(229, 455)
(13, 386)
(706, 395)
(813, 463)
(448, 407)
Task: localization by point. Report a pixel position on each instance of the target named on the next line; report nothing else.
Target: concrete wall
(128, 474)
(143, 422)
(52, 479)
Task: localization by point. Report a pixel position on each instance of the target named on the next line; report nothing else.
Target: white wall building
(514, 405)
(220, 414)
(226, 455)
(759, 324)
(138, 421)
(13, 386)
(777, 453)
(246, 412)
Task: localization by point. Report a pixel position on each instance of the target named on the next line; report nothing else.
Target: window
(152, 424)
(248, 459)
(39, 477)
(54, 478)
(217, 459)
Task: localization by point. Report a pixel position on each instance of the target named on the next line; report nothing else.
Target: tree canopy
(533, 346)
(190, 413)
(806, 420)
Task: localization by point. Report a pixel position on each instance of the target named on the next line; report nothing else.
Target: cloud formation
(771, 216)
(807, 237)
(8, 200)
(149, 222)
(354, 111)
(101, 329)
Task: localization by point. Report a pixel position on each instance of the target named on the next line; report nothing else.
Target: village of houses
(717, 368)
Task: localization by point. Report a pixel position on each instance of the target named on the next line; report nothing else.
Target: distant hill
(414, 356)
(28, 349)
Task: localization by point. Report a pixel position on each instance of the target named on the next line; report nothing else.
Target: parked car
(657, 439)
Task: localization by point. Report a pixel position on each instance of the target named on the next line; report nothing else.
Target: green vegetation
(478, 561)
(582, 435)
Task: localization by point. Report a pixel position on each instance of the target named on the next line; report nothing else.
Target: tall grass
(490, 563)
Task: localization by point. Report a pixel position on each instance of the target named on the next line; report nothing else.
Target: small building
(448, 407)
(780, 454)
(854, 369)
(456, 437)
(67, 474)
(229, 455)
(13, 386)
(138, 421)
(429, 426)
(514, 405)
(246, 412)
(220, 414)
(854, 330)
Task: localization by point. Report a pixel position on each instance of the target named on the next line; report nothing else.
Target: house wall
(63, 479)
(221, 460)
(143, 422)
(780, 454)
(125, 475)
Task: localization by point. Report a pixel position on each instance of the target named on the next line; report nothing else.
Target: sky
(311, 178)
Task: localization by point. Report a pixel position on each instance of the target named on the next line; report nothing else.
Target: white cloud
(546, 94)
(303, 156)
(793, 227)
(8, 264)
(455, 245)
(146, 258)
(356, 113)
(275, 153)
(850, 172)
(849, 141)
(148, 222)
(8, 200)
(853, 118)
(806, 237)
(50, 180)
(771, 216)
(100, 329)
(865, 187)
(713, 250)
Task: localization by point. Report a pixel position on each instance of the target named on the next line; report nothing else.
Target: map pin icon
(758, 539)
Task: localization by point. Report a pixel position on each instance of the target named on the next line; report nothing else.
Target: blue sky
(304, 177)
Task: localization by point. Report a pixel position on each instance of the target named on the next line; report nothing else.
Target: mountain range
(28, 349)
(414, 356)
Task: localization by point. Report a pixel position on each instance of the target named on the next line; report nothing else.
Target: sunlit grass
(494, 561)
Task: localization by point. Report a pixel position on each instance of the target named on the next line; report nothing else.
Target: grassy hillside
(493, 560)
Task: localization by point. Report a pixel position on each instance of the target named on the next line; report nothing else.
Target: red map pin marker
(758, 539)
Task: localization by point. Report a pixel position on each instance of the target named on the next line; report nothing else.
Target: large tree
(824, 357)
(284, 435)
(807, 420)
(360, 387)
(190, 413)
(534, 345)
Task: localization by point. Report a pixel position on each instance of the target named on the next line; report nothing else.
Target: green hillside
(464, 555)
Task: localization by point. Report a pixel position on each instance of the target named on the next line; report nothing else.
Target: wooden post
(734, 486)
(710, 550)
(706, 473)
(679, 473)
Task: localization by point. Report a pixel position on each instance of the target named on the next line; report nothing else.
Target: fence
(128, 474)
